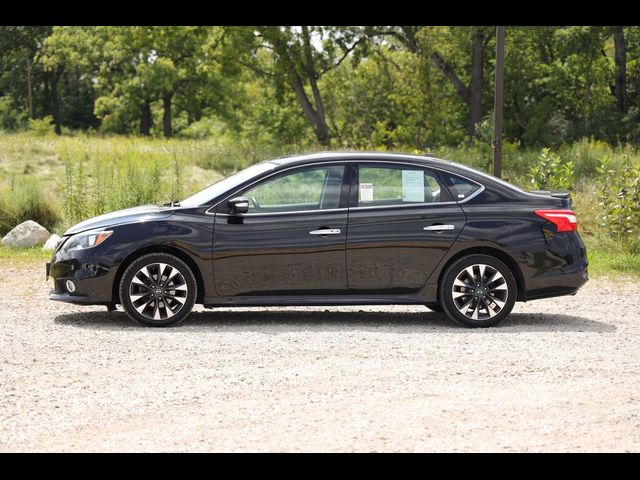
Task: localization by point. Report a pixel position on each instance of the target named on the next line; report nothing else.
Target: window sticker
(366, 192)
(412, 186)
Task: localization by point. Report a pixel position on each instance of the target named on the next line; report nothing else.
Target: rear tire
(158, 290)
(478, 291)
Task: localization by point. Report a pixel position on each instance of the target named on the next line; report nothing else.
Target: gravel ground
(557, 375)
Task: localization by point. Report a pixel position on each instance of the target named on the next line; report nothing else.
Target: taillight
(565, 220)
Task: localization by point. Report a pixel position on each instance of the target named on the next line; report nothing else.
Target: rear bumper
(569, 273)
(559, 285)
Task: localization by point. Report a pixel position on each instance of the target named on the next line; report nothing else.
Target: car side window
(459, 187)
(398, 185)
(308, 189)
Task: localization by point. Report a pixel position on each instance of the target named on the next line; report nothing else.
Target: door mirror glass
(239, 205)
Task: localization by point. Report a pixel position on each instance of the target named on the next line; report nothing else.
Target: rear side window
(459, 187)
(398, 185)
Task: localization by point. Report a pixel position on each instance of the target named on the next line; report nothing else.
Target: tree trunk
(322, 132)
(448, 72)
(166, 117)
(620, 89)
(475, 85)
(146, 120)
(318, 122)
(55, 101)
(29, 94)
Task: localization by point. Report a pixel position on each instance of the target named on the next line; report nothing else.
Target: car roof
(356, 155)
(426, 160)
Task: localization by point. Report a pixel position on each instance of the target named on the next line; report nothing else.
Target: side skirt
(312, 300)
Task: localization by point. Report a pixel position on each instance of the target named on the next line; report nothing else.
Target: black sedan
(330, 229)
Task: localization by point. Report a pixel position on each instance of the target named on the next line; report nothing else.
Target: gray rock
(51, 243)
(27, 234)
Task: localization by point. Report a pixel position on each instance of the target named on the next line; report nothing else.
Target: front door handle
(438, 228)
(325, 231)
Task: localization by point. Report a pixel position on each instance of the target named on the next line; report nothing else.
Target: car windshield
(226, 184)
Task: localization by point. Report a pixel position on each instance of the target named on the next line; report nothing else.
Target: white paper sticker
(412, 186)
(366, 192)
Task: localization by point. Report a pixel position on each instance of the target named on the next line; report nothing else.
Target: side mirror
(239, 205)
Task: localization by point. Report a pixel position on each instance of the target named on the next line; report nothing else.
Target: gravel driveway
(557, 375)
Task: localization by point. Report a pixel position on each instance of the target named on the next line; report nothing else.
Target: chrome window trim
(282, 213)
(345, 161)
(403, 205)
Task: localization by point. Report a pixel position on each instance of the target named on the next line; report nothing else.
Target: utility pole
(498, 103)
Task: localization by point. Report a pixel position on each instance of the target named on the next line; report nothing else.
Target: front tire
(158, 290)
(478, 291)
(435, 307)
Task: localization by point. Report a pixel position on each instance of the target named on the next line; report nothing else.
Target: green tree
(300, 57)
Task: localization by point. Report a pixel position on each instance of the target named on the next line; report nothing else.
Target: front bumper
(76, 299)
(92, 278)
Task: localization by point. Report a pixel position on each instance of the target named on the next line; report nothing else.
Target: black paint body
(382, 254)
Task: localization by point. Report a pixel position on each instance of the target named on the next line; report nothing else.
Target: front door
(291, 241)
(401, 224)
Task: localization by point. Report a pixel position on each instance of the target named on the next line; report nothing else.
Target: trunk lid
(558, 199)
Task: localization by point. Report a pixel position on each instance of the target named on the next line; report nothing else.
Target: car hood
(127, 215)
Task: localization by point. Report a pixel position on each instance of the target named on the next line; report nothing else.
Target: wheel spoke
(465, 306)
(482, 269)
(161, 269)
(474, 314)
(502, 286)
(180, 300)
(497, 301)
(137, 296)
(156, 310)
(140, 308)
(459, 283)
(496, 276)
(172, 274)
(490, 310)
(472, 275)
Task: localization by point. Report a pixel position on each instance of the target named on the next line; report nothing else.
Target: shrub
(42, 126)
(620, 202)
(551, 172)
(11, 118)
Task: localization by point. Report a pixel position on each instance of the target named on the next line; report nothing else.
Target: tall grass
(23, 199)
(102, 181)
(60, 180)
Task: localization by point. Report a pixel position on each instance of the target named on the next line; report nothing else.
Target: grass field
(60, 180)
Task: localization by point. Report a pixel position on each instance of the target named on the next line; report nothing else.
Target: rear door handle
(325, 231)
(438, 228)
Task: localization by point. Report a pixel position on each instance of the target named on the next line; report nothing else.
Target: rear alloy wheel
(158, 290)
(478, 291)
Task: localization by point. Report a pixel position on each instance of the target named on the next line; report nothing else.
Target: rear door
(402, 221)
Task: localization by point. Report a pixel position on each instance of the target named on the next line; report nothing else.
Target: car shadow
(320, 320)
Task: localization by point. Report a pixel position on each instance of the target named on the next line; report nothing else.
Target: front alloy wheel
(158, 290)
(478, 291)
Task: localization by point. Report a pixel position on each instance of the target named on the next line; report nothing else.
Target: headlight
(85, 240)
